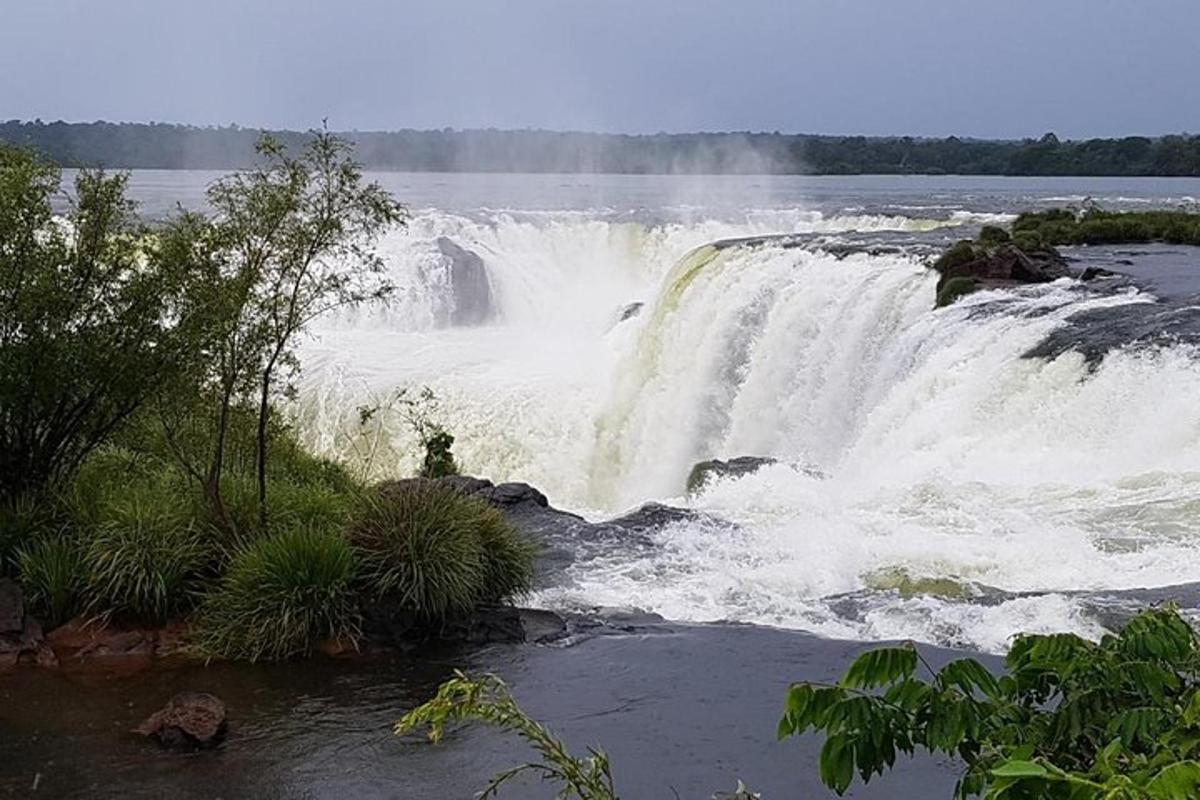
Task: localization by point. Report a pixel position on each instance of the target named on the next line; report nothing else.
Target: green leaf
(837, 763)
(1180, 781)
(969, 675)
(880, 667)
(1020, 769)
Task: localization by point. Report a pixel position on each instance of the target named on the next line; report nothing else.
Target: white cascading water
(948, 455)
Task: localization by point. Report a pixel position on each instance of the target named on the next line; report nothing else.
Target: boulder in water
(470, 288)
(735, 467)
(190, 720)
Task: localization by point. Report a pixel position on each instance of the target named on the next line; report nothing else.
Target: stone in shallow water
(189, 720)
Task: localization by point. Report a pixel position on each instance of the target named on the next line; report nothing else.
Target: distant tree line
(169, 146)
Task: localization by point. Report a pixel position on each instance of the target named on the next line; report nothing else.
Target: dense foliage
(167, 146)
(145, 474)
(1095, 225)
(94, 321)
(1071, 719)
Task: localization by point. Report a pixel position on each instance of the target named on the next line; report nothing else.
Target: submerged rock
(715, 468)
(189, 720)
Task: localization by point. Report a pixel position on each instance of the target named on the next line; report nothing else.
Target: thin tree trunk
(264, 413)
(212, 483)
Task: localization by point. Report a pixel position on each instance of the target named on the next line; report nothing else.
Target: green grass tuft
(281, 596)
(54, 577)
(146, 553)
(438, 552)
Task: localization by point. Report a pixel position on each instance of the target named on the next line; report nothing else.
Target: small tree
(421, 411)
(94, 320)
(1072, 719)
(296, 236)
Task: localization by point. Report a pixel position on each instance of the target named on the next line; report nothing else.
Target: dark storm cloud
(923, 67)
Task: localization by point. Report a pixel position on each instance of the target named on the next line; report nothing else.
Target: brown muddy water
(682, 710)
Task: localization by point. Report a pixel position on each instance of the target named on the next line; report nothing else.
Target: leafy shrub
(954, 289)
(145, 553)
(23, 519)
(437, 551)
(1072, 719)
(54, 578)
(282, 594)
(439, 461)
(962, 252)
(991, 235)
(1028, 240)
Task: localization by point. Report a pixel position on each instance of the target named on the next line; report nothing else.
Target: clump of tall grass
(437, 552)
(281, 595)
(145, 553)
(54, 577)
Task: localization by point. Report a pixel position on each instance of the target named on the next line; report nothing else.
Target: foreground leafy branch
(1072, 719)
(488, 699)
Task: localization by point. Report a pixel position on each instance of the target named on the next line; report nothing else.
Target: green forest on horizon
(172, 146)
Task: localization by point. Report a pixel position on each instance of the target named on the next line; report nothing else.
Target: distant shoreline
(184, 147)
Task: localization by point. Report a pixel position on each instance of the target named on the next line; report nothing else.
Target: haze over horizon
(910, 67)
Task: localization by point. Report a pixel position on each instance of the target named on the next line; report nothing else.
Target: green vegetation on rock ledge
(997, 258)
(1097, 226)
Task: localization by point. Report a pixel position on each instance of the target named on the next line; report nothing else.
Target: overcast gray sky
(1004, 68)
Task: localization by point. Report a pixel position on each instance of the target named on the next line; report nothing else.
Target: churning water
(931, 481)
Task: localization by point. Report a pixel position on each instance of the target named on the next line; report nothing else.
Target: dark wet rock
(466, 484)
(715, 468)
(1007, 265)
(511, 495)
(653, 516)
(12, 607)
(1095, 273)
(1095, 332)
(541, 625)
(630, 311)
(470, 287)
(189, 720)
(391, 624)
